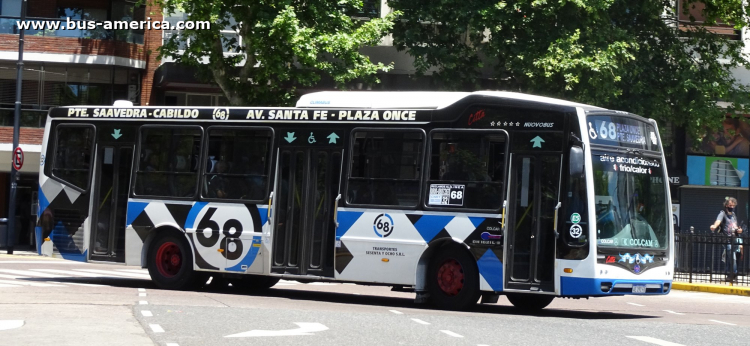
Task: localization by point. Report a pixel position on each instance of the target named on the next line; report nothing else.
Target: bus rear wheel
(453, 279)
(170, 263)
(529, 302)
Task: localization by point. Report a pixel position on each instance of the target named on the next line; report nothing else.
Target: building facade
(65, 67)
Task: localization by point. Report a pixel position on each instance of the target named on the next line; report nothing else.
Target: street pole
(11, 231)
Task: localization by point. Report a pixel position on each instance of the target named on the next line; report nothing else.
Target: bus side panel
(64, 220)
(386, 246)
(223, 236)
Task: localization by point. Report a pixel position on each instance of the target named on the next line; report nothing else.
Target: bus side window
(466, 169)
(386, 167)
(165, 161)
(238, 163)
(73, 154)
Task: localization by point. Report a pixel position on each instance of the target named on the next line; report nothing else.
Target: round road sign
(18, 158)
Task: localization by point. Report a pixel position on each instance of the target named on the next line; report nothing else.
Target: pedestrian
(727, 225)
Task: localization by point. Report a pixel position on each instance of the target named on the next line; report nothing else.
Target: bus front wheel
(170, 263)
(453, 279)
(529, 302)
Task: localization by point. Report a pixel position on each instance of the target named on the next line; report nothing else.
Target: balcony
(9, 25)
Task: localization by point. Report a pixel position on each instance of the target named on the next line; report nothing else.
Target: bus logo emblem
(383, 225)
(575, 218)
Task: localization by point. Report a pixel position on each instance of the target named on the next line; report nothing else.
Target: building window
(386, 167)
(466, 169)
(73, 154)
(169, 161)
(238, 163)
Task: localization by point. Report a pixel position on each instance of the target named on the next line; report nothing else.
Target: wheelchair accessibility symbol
(311, 139)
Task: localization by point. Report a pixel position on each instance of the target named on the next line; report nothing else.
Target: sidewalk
(711, 288)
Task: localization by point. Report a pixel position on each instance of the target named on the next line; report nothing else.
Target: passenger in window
(217, 186)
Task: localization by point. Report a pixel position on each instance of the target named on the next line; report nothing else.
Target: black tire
(170, 263)
(453, 279)
(529, 302)
(255, 282)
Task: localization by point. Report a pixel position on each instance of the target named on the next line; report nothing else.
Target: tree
(623, 54)
(284, 44)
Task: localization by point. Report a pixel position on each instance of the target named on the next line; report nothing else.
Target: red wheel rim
(168, 259)
(450, 277)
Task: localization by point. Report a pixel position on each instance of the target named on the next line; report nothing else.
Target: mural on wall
(732, 141)
(717, 171)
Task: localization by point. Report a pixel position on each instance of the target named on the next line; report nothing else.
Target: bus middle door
(308, 182)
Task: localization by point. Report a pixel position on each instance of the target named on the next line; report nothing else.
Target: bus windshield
(630, 201)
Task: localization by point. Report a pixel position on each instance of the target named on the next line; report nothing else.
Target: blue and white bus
(453, 195)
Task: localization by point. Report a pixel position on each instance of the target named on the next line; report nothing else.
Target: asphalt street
(55, 302)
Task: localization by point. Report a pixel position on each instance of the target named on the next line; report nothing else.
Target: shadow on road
(299, 293)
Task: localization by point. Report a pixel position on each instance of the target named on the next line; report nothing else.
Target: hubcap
(168, 259)
(450, 277)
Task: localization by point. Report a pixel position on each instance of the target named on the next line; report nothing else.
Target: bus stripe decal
(491, 269)
(43, 202)
(429, 226)
(134, 209)
(249, 257)
(476, 220)
(193, 214)
(346, 220)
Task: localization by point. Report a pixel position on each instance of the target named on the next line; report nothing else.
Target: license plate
(639, 289)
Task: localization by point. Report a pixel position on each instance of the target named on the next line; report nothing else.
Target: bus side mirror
(576, 162)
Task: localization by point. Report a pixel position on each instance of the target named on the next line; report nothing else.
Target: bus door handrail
(336, 211)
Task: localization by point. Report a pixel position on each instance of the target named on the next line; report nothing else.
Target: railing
(706, 257)
(9, 25)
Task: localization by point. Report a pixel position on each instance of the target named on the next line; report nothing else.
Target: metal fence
(706, 257)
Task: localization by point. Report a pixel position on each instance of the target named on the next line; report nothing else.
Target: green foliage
(621, 54)
(285, 44)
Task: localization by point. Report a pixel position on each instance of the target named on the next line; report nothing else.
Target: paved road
(55, 302)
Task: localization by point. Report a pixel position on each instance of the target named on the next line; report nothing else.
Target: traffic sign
(18, 158)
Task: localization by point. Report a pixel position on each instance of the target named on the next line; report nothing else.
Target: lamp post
(11, 231)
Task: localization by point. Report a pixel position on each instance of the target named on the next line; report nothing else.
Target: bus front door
(308, 181)
(113, 166)
(534, 193)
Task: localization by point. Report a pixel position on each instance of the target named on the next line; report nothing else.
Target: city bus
(455, 196)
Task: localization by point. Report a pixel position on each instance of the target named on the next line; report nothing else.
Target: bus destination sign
(622, 131)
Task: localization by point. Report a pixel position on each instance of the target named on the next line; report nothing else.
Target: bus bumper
(576, 287)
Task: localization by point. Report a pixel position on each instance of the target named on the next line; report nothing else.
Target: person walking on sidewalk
(727, 224)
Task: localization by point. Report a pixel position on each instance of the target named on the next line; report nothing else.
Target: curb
(712, 288)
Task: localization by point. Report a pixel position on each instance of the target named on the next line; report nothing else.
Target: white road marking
(731, 324)
(156, 328)
(636, 304)
(10, 324)
(141, 294)
(4, 285)
(143, 302)
(452, 334)
(396, 312)
(80, 284)
(654, 341)
(27, 283)
(141, 290)
(69, 273)
(420, 321)
(305, 328)
(5, 276)
(146, 313)
(135, 271)
(107, 272)
(41, 262)
(672, 312)
(30, 273)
